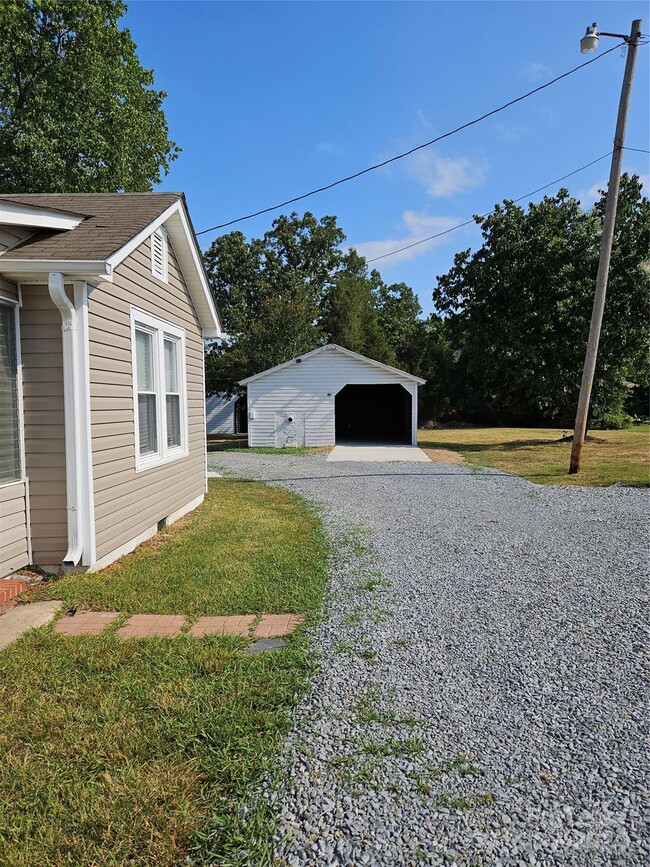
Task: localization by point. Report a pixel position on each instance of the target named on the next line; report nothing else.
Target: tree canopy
(507, 341)
(518, 310)
(78, 112)
(350, 315)
(293, 290)
(270, 291)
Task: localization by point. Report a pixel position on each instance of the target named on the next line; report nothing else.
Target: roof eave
(176, 221)
(81, 269)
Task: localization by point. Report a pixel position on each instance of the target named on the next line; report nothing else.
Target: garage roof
(333, 347)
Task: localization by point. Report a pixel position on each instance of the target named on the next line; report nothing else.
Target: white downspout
(72, 408)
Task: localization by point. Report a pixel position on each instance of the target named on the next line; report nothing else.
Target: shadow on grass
(485, 447)
(227, 442)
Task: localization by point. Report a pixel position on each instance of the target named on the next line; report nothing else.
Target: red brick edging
(10, 588)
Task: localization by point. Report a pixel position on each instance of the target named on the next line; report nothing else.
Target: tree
(270, 292)
(78, 112)
(400, 317)
(349, 311)
(518, 310)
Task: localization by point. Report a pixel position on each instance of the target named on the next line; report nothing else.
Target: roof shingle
(111, 221)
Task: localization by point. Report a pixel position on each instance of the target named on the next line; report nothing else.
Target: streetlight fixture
(588, 45)
(589, 42)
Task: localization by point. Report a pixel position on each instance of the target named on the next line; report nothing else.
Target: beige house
(104, 306)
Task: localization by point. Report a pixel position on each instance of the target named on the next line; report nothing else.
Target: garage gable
(334, 352)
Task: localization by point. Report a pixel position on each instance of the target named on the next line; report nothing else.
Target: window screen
(147, 422)
(9, 418)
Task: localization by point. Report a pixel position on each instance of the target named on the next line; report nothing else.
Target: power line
(638, 150)
(412, 150)
(468, 222)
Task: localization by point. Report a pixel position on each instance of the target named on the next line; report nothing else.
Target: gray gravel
(483, 698)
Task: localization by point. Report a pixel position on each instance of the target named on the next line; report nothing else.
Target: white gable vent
(159, 247)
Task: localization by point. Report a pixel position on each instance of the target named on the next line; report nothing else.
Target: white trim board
(132, 544)
(85, 446)
(16, 214)
(159, 328)
(186, 249)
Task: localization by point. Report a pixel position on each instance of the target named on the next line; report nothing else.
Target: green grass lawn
(535, 454)
(137, 752)
(241, 552)
(238, 443)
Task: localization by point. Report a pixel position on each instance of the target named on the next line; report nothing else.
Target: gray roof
(111, 220)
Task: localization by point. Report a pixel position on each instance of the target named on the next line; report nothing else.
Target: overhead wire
(483, 216)
(413, 149)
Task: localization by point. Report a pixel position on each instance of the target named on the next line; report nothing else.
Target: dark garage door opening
(373, 414)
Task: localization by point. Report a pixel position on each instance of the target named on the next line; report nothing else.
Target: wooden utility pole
(605, 250)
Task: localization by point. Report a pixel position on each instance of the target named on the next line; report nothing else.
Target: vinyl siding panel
(128, 503)
(220, 414)
(42, 374)
(13, 528)
(310, 388)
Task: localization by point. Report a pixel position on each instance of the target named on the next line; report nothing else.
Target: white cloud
(326, 147)
(424, 119)
(536, 71)
(511, 132)
(445, 176)
(419, 225)
(594, 192)
(588, 197)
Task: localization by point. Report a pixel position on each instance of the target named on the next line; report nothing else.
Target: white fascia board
(187, 252)
(333, 347)
(14, 214)
(120, 255)
(99, 269)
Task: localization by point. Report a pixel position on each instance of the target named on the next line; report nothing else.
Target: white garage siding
(220, 414)
(310, 387)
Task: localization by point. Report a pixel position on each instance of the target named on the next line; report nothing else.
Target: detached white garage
(331, 396)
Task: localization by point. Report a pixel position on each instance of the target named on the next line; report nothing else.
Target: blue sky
(269, 100)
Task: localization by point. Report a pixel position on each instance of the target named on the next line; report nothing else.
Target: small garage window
(160, 400)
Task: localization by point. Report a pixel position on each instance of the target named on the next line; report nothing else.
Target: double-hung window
(10, 469)
(159, 386)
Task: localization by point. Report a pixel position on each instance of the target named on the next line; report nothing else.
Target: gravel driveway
(482, 699)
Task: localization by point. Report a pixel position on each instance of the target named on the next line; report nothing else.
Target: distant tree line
(507, 341)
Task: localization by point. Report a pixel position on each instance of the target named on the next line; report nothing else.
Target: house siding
(310, 388)
(42, 381)
(14, 551)
(128, 504)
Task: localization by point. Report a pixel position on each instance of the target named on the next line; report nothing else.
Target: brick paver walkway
(85, 622)
(148, 625)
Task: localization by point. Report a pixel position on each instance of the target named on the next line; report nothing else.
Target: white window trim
(162, 233)
(161, 329)
(22, 479)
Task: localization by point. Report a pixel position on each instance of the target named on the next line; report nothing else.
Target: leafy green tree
(400, 316)
(270, 293)
(349, 311)
(518, 310)
(78, 112)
